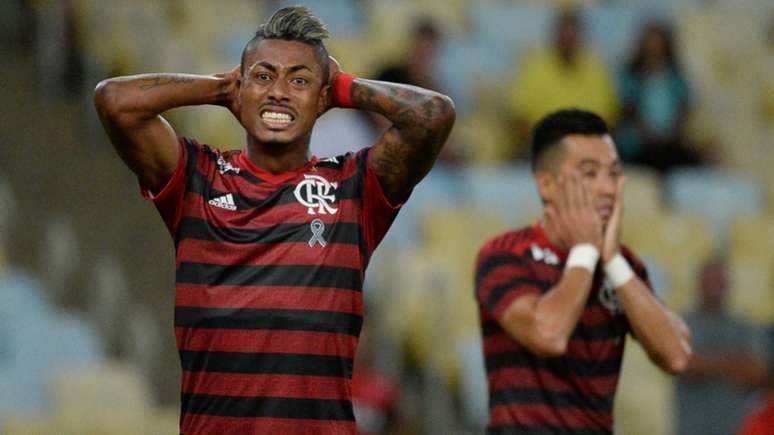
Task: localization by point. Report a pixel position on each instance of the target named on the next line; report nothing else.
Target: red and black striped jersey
(269, 276)
(571, 394)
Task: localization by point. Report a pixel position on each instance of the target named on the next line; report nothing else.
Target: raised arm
(421, 121)
(662, 333)
(130, 109)
(544, 322)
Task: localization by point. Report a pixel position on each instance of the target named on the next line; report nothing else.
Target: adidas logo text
(225, 201)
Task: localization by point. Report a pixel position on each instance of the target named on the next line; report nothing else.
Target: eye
(262, 77)
(299, 81)
(589, 173)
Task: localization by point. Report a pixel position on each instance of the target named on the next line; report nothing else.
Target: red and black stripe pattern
(268, 306)
(571, 394)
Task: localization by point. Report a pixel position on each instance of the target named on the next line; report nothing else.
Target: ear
(546, 185)
(324, 100)
(237, 103)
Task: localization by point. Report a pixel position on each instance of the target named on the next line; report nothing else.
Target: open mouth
(275, 119)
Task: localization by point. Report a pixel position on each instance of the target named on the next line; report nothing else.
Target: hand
(334, 68)
(229, 96)
(612, 244)
(573, 217)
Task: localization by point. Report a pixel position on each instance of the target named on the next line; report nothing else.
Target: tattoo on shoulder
(163, 80)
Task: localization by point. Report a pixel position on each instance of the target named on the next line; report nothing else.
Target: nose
(278, 90)
(608, 185)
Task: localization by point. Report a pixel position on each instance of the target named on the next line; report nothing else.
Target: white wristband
(618, 271)
(583, 255)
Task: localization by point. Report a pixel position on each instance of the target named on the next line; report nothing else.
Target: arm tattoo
(163, 80)
(421, 122)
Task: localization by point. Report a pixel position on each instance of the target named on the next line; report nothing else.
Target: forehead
(282, 54)
(580, 147)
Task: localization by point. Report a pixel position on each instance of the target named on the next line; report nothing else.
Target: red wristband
(342, 85)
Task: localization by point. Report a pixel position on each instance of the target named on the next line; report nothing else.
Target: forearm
(561, 307)
(544, 323)
(421, 122)
(144, 96)
(664, 336)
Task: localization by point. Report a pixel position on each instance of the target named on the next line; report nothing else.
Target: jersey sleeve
(169, 201)
(501, 278)
(378, 211)
(638, 266)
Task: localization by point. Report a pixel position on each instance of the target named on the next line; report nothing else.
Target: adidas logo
(225, 201)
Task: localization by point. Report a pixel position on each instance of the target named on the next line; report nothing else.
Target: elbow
(443, 110)
(676, 364)
(106, 99)
(548, 344)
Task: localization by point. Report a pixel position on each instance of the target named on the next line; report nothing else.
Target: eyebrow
(299, 68)
(273, 68)
(595, 162)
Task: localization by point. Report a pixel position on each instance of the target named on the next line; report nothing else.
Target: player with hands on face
(557, 298)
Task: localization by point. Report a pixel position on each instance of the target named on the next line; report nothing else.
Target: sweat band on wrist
(583, 255)
(342, 86)
(618, 271)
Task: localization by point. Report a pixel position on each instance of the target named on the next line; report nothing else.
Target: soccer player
(557, 298)
(272, 245)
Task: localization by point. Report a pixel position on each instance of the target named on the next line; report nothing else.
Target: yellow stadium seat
(681, 243)
(642, 193)
(751, 294)
(645, 396)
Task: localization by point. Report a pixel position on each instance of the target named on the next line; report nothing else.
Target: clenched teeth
(276, 116)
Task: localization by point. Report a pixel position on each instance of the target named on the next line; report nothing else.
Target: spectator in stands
(728, 361)
(655, 99)
(418, 69)
(566, 74)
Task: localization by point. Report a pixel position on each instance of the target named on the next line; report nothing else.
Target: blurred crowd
(688, 85)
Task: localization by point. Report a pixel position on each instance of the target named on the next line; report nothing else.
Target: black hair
(294, 23)
(637, 63)
(549, 132)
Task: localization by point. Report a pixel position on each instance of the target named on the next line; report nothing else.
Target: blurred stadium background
(86, 267)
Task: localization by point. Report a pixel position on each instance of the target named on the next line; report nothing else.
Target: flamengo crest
(316, 193)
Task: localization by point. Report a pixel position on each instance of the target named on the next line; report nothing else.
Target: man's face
(595, 160)
(281, 91)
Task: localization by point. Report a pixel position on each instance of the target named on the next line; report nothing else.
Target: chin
(275, 137)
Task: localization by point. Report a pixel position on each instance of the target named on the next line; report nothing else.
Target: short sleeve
(501, 278)
(638, 266)
(169, 201)
(378, 211)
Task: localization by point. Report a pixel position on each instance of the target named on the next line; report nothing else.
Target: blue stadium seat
(507, 22)
(507, 190)
(717, 195)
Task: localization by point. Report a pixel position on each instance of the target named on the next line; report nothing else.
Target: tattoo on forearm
(421, 123)
(163, 80)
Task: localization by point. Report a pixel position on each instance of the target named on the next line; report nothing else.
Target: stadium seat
(680, 243)
(752, 268)
(645, 396)
(643, 192)
(439, 189)
(716, 195)
(506, 190)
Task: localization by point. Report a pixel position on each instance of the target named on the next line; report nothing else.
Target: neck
(278, 158)
(552, 236)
